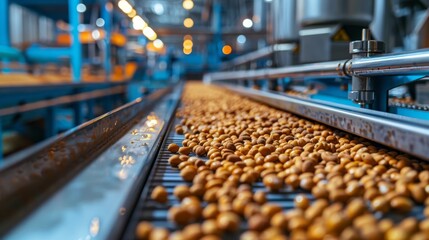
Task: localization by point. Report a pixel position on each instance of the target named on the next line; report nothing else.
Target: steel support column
(76, 48)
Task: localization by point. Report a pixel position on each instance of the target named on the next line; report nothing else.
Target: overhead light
(149, 33)
(241, 39)
(139, 23)
(188, 4)
(125, 6)
(227, 50)
(95, 34)
(188, 44)
(158, 8)
(99, 22)
(187, 51)
(268, 0)
(188, 22)
(132, 14)
(247, 23)
(81, 7)
(158, 43)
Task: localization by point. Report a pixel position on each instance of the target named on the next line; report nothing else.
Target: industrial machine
(327, 61)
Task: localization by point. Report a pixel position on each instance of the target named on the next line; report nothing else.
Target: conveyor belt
(163, 174)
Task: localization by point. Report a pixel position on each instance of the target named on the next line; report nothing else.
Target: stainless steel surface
(316, 44)
(382, 23)
(401, 133)
(90, 204)
(354, 12)
(28, 179)
(332, 69)
(406, 63)
(284, 21)
(362, 91)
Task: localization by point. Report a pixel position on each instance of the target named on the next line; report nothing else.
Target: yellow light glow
(188, 4)
(188, 22)
(187, 37)
(132, 14)
(149, 33)
(158, 44)
(188, 44)
(125, 6)
(227, 50)
(139, 23)
(187, 51)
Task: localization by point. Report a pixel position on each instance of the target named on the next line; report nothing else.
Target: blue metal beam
(4, 23)
(76, 49)
(106, 14)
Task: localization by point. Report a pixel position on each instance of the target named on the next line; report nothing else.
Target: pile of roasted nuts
(232, 142)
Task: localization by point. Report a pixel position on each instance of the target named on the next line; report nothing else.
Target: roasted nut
(228, 221)
(173, 148)
(380, 204)
(273, 182)
(259, 197)
(192, 232)
(279, 221)
(269, 210)
(174, 160)
(355, 208)
(197, 190)
(188, 173)
(210, 211)
(209, 227)
(249, 235)
(301, 201)
(180, 215)
(200, 151)
(258, 222)
(159, 194)
(143, 230)
(401, 204)
(185, 150)
(181, 191)
(159, 234)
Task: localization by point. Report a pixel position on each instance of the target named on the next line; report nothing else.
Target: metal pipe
(408, 63)
(334, 69)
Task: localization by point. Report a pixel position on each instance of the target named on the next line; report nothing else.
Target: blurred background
(64, 62)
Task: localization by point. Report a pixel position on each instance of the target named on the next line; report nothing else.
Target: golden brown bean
(143, 230)
(180, 215)
(401, 204)
(185, 150)
(181, 191)
(159, 234)
(188, 173)
(273, 182)
(258, 222)
(173, 148)
(159, 194)
(302, 202)
(228, 221)
(209, 227)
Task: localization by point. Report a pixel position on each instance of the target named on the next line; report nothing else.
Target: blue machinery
(54, 54)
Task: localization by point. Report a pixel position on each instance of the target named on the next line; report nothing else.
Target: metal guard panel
(29, 178)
